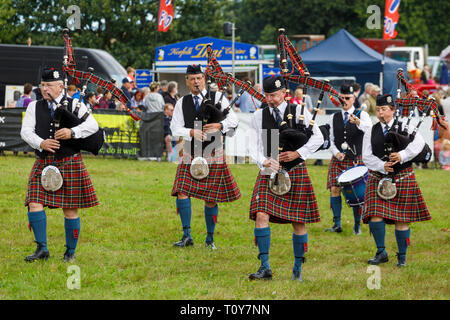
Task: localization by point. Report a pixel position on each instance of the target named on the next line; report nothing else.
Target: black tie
(197, 105)
(50, 107)
(277, 116)
(345, 118)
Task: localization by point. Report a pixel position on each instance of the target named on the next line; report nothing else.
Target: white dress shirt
(177, 124)
(256, 148)
(376, 164)
(364, 125)
(28, 133)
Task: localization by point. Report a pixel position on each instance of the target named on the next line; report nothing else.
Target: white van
(408, 55)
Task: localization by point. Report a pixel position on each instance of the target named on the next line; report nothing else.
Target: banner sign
(122, 133)
(195, 49)
(391, 16)
(271, 72)
(143, 78)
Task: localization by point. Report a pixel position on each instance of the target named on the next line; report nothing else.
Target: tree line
(127, 29)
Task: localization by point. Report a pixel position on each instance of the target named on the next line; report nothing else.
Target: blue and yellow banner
(195, 49)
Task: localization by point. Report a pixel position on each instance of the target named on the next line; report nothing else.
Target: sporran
(51, 178)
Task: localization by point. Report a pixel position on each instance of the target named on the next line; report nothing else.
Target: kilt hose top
(298, 205)
(407, 206)
(77, 190)
(218, 186)
(337, 167)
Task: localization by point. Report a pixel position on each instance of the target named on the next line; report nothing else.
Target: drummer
(347, 129)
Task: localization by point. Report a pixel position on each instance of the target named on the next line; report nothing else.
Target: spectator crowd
(163, 96)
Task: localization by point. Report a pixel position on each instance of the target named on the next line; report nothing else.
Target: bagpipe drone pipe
(398, 139)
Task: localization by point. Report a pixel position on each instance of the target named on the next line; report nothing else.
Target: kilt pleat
(337, 167)
(407, 206)
(77, 190)
(298, 205)
(218, 186)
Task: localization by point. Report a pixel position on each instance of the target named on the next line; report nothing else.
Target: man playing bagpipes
(59, 178)
(346, 135)
(298, 206)
(201, 118)
(392, 193)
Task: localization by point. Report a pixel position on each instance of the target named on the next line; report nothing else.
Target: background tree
(127, 29)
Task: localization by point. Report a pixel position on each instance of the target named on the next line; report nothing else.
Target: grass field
(125, 248)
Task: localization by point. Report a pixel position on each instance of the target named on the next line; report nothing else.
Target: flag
(165, 16)
(390, 19)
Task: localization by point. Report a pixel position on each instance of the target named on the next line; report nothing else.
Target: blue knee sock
(402, 237)
(211, 219)
(263, 240)
(336, 207)
(185, 211)
(38, 222)
(378, 230)
(72, 227)
(357, 215)
(299, 243)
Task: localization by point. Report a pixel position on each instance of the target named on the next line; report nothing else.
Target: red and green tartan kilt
(77, 190)
(218, 186)
(337, 167)
(407, 206)
(298, 205)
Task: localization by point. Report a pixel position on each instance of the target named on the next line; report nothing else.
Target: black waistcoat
(348, 133)
(379, 148)
(269, 123)
(190, 116)
(45, 128)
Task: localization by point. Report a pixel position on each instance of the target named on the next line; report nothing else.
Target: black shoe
(261, 274)
(335, 228)
(184, 242)
(380, 257)
(39, 254)
(210, 245)
(68, 257)
(297, 276)
(357, 230)
(401, 260)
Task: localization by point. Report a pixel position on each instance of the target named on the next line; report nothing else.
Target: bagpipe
(398, 139)
(305, 131)
(69, 67)
(65, 117)
(210, 111)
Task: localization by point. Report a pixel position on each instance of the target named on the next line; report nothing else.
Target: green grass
(125, 248)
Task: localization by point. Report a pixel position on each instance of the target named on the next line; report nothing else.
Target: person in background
(298, 98)
(138, 99)
(36, 94)
(10, 104)
(371, 102)
(131, 74)
(106, 101)
(154, 101)
(26, 98)
(171, 95)
(99, 92)
(71, 90)
(426, 76)
(168, 113)
(444, 155)
(367, 89)
(127, 84)
(90, 100)
(163, 87)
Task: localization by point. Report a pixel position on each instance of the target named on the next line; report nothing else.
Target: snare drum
(353, 184)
